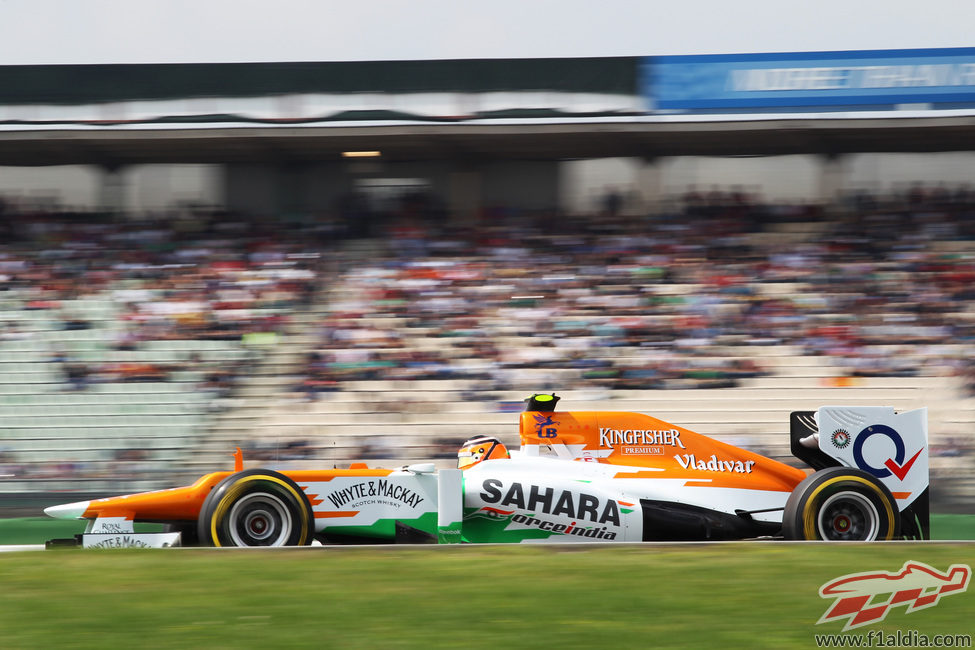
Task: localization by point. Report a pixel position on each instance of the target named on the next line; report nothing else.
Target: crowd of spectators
(619, 301)
(130, 286)
(683, 298)
(665, 301)
(212, 277)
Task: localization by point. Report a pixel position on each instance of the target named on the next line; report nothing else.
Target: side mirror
(421, 468)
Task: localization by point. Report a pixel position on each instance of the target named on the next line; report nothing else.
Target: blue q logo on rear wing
(891, 446)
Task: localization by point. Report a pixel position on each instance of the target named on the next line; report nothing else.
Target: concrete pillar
(830, 177)
(112, 190)
(649, 187)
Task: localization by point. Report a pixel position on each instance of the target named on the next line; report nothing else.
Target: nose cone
(68, 510)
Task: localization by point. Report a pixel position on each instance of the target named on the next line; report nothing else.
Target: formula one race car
(598, 476)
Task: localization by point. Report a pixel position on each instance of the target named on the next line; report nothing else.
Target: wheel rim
(260, 519)
(848, 516)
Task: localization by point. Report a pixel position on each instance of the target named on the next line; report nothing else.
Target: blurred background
(347, 261)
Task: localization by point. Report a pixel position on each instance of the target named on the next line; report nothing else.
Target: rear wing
(891, 446)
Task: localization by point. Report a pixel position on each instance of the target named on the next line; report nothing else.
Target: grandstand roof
(410, 110)
(488, 141)
(85, 84)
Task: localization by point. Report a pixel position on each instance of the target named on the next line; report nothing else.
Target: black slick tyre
(256, 507)
(841, 504)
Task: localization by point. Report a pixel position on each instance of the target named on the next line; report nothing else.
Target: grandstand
(310, 324)
(423, 351)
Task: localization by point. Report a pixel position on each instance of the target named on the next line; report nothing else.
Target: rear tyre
(841, 504)
(256, 507)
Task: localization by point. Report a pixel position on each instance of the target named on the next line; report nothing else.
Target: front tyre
(841, 504)
(256, 507)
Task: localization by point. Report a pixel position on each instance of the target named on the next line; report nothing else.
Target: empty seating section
(107, 429)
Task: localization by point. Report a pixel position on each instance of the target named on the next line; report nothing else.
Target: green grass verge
(742, 595)
(37, 530)
(953, 527)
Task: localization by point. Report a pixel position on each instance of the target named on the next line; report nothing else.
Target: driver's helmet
(480, 448)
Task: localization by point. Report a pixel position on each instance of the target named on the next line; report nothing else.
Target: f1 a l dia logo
(865, 598)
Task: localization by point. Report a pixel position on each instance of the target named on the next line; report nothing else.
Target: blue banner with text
(867, 80)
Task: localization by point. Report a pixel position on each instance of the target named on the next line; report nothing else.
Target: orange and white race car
(583, 476)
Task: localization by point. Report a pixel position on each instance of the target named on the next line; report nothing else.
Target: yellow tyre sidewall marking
(809, 517)
(234, 491)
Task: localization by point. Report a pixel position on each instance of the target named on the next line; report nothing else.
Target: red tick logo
(900, 471)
